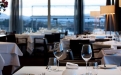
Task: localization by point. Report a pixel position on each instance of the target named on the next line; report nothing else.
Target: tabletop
(39, 70)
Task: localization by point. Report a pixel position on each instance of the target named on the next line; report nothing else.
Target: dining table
(110, 56)
(10, 53)
(107, 44)
(30, 40)
(41, 70)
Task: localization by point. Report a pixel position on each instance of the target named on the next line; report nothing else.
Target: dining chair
(101, 40)
(22, 44)
(56, 37)
(2, 63)
(50, 39)
(40, 49)
(3, 39)
(76, 47)
(11, 38)
(96, 50)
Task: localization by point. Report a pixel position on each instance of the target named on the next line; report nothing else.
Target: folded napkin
(71, 65)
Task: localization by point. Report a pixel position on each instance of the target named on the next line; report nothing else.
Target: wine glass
(58, 52)
(86, 54)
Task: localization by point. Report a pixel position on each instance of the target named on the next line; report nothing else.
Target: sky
(90, 5)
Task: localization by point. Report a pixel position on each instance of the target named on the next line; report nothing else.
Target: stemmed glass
(86, 54)
(58, 52)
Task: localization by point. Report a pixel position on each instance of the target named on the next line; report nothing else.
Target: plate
(108, 66)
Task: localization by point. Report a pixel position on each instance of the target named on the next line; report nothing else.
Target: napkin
(71, 65)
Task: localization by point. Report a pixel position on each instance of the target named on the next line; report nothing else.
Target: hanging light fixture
(3, 5)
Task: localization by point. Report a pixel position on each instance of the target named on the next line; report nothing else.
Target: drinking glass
(86, 54)
(93, 68)
(52, 64)
(58, 52)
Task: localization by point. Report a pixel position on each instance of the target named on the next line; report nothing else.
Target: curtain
(16, 16)
(108, 2)
(117, 16)
(78, 17)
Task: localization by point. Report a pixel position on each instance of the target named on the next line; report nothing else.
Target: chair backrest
(21, 41)
(76, 47)
(11, 38)
(3, 39)
(50, 38)
(56, 37)
(40, 42)
(101, 40)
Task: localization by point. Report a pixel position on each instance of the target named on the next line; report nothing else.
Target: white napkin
(71, 65)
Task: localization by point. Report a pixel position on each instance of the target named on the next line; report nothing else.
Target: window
(5, 17)
(62, 15)
(90, 22)
(34, 14)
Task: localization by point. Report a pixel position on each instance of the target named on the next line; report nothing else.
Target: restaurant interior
(60, 37)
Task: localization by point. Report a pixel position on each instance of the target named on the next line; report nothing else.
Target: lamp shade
(119, 3)
(95, 13)
(109, 9)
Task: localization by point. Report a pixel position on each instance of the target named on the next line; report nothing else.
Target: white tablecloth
(111, 44)
(10, 53)
(30, 39)
(38, 70)
(115, 58)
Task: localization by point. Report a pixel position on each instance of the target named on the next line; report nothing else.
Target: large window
(62, 15)
(35, 14)
(90, 22)
(5, 17)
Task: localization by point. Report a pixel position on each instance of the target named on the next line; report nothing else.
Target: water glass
(52, 64)
(93, 68)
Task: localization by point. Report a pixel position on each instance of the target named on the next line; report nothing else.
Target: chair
(96, 50)
(3, 39)
(22, 44)
(40, 49)
(11, 38)
(2, 62)
(56, 37)
(10, 33)
(76, 47)
(50, 39)
(101, 40)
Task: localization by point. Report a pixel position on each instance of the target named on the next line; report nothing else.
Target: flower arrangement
(3, 5)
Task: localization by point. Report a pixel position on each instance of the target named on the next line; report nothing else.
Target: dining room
(60, 37)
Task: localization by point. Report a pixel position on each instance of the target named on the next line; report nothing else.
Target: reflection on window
(91, 22)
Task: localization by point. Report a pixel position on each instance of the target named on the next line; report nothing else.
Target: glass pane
(35, 14)
(60, 18)
(5, 17)
(90, 22)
